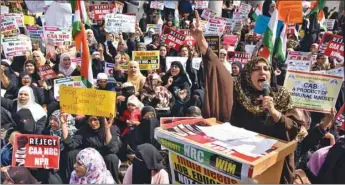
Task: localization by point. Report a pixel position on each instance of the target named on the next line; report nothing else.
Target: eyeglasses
(259, 68)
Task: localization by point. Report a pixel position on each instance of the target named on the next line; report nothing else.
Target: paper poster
(213, 43)
(196, 62)
(36, 151)
(74, 81)
(119, 7)
(236, 56)
(312, 91)
(299, 65)
(87, 101)
(19, 17)
(245, 8)
(185, 171)
(46, 72)
(16, 46)
(117, 23)
(250, 48)
(330, 24)
(59, 14)
(208, 14)
(333, 46)
(57, 36)
(109, 68)
(98, 11)
(9, 27)
(156, 27)
(37, 6)
(201, 4)
(215, 27)
(5, 9)
(169, 60)
(159, 5)
(132, 2)
(170, 4)
(148, 60)
(230, 40)
(175, 40)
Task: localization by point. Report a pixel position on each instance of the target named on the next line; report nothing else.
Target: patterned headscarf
(247, 95)
(96, 170)
(70, 124)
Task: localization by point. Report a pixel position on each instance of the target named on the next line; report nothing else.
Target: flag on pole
(282, 40)
(79, 35)
(319, 5)
(322, 21)
(257, 12)
(176, 17)
(80, 16)
(270, 34)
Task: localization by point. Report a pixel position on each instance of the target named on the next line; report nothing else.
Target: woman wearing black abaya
(98, 133)
(177, 82)
(147, 167)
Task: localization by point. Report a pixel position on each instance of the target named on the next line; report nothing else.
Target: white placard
(169, 60)
(109, 68)
(16, 46)
(299, 65)
(117, 23)
(196, 63)
(159, 5)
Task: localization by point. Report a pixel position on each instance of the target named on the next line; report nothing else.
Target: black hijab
(180, 79)
(34, 76)
(147, 158)
(146, 130)
(20, 175)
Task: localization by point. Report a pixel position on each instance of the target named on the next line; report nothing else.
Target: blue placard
(262, 24)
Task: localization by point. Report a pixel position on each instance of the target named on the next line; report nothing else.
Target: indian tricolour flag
(321, 19)
(79, 35)
(282, 40)
(270, 34)
(258, 11)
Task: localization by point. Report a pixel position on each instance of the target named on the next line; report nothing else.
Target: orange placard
(295, 8)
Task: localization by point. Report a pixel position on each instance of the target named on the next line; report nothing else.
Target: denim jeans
(6, 155)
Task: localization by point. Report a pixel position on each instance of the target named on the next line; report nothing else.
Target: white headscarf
(62, 68)
(36, 110)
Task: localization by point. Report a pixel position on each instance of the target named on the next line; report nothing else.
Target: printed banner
(245, 8)
(330, 24)
(215, 27)
(118, 23)
(17, 16)
(16, 46)
(208, 14)
(299, 65)
(148, 60)
(201, 4)
(175, 40)
(185, 171)
(335, 46)
(159, 5)
(9, 27)
(98, 11)
(74, 81)
(36, 151)
(57, 36)
(87, 101)
(336, 72)
(169, 60)
(34, 32)
(109, 69)
(46, 72)
(236, 56)
(312, 91)
(213, 43)
(298, 55)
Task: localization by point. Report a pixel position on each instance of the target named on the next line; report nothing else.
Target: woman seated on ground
(17, 175)
(98, 133)
(147, 167)
(90, 168)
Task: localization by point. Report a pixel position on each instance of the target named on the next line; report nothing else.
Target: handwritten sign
(147, 59)
(87, 101)
(46, 72)
(58, 36)
(98, 11)
(312, 91)
(16, 46)
(36, 151)
(19, 18)
(159, 5)
(74, 81)
(117, 23)
(175, 40)
(236, 56)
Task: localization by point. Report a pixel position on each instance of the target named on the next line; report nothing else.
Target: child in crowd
(131, 116)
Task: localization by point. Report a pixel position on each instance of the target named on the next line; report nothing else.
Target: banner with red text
(236, 56)
(98, 11)
(57, 36)
(46, 72)
(175, 40)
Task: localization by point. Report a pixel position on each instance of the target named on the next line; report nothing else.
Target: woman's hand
(120, 98)
(327, 120)
(108, 123)
(267, 103)
(197, 34)
(170, 81)
(330, 137)
(60, 75)
(63, 118)
(182, 94)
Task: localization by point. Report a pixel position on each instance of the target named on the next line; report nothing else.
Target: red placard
(189, 39)
(46, 72)
(98, 11)
(36, 151)
(175, 40)
(235, 56)
(230, 40)
(332, 45)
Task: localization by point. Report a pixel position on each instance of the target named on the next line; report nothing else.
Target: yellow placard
(312, 91)
(185, 171)
(87, 101)
(148, 60)
(29, 20)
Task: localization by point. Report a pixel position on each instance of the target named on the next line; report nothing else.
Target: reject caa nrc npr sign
(36, 151)
(312, 91)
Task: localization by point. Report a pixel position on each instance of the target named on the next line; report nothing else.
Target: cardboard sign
(74, 81)
(236, 56)
(148, 60)
(201, 4)
(98, 11)
(109, 68)
(169, 60)
(156, 27)
(175, 40)
(330, 24)
(159, 5)
(215, 27)
(208, 14)
(46, 72)
(119, 7)
(36, 151)
(312, 91)
(299, 65)
(230, 40)
(19, 18)
(9, 27)
(335, 46)
(16, 46)
(87, 101)
(118, 23)
(58, 36)
(34, 32)
(214, 43)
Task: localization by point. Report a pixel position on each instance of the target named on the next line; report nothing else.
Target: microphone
(266, 87)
